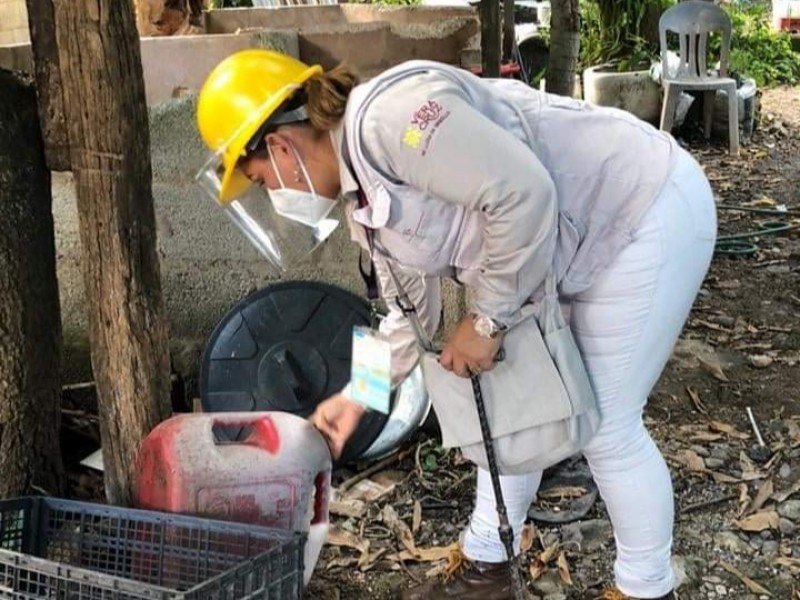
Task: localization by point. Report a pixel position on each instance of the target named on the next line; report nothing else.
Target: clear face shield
(281, 239)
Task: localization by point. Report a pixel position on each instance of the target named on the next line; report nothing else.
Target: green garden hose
(736, 244)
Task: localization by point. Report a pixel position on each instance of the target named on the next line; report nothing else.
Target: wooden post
(30, 326)
(490, 37)
(100, 69)
(508, 30)
(48, 83)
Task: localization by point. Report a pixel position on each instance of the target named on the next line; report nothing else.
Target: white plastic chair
(693, 21)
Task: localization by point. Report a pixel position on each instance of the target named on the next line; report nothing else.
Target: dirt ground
(737, 502)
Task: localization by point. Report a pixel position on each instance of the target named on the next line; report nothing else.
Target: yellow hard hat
(240, 94)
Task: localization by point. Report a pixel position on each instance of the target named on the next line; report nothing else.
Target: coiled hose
(738, 244)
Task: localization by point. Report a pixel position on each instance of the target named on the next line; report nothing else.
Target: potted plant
(619, 42)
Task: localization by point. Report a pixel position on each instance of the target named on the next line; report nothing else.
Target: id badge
(370, 378)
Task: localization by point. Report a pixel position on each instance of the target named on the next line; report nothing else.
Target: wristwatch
(486, 327)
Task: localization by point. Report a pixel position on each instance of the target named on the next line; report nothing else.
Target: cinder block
(198, 55)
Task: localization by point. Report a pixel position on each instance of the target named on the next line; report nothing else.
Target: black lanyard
(368, 274)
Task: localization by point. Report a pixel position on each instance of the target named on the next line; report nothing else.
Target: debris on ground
(726, 415)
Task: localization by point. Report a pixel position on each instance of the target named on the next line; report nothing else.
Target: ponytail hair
(326, 96)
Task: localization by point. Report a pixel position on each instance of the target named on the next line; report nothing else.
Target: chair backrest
(693, 21)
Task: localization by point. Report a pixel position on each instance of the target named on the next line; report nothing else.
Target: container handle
(263, 432)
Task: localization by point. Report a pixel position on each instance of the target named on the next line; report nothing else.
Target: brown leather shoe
(615, 594)
(468, 580)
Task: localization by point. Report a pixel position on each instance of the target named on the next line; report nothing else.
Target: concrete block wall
(331, 34)
(206, 264)
(13, 22)
(327, 34)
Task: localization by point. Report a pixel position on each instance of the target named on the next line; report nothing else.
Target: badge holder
(370, 378)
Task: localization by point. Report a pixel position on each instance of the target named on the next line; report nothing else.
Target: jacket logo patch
(412, 137)
(427, 113)
(424, 122)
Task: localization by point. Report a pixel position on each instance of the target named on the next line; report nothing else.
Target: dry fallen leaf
(399, 528)
(749, 470)
(784, 495)
(367, 491)
(727, 430)
(793, 429)
(707, 325)
(764, 201)
(724, 478)
(791, 563)
(767, 519)
(390, 478)
(339, 537)
(416, 518)
(537, 568)
(548, 553)
(693, 460)
(698, 403)
(751, 585)
(342, 561)
(371, 559)
(431, 554)
(771, 462)
(706, 436)
(526, 537)
(347, 507)
(714, 369)
(764, 492)
(563, 569)
(744, 499)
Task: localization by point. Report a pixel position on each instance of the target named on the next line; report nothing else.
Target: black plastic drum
(287, 347)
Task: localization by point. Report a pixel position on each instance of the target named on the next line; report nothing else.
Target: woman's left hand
(467, 353)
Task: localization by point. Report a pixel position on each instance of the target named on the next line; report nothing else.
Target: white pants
(626, 325)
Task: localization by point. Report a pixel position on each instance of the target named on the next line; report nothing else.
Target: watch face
(484, 327)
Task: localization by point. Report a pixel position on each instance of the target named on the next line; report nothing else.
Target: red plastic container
(277, 476)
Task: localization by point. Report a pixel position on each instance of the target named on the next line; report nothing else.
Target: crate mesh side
(276, 573)
(104, 553)
(26, 581)
(12, 529)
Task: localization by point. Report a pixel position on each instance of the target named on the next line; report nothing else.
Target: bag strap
(550, 284)
(409, 310)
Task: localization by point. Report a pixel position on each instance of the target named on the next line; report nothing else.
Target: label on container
(370, 378)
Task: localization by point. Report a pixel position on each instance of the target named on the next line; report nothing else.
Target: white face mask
(308, 208)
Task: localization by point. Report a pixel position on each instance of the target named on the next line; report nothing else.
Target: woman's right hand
(336, 419)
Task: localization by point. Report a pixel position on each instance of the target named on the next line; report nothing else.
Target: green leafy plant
(615, 32)
(757, 50)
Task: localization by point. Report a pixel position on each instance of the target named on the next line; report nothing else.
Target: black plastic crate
(67, 550)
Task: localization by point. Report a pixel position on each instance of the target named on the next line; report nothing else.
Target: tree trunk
(30, 325)
(489, 11)
(107, 124)
(508, 30)
(565, 24)
(48, 84)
